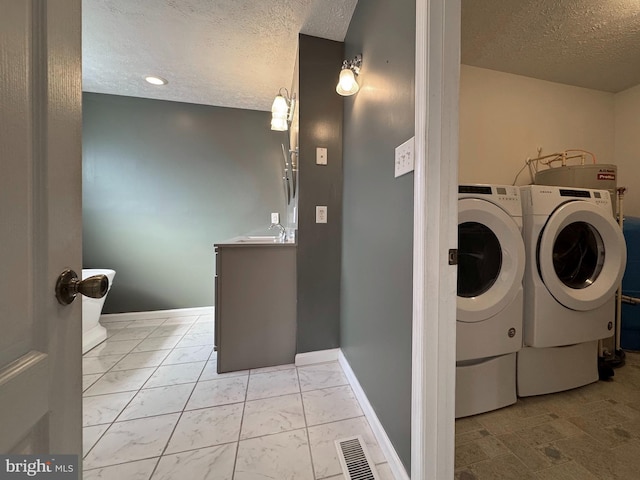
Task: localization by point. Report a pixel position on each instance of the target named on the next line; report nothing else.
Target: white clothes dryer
(491, 264)
(576, 256)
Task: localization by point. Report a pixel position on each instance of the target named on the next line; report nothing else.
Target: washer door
(490, 260)
(581, 255)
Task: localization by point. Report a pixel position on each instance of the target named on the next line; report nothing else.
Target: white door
(40, 225)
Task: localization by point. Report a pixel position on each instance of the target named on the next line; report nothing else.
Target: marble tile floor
(155, 408)
(589, 433)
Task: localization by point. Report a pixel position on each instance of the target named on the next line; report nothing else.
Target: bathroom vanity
(255, 303)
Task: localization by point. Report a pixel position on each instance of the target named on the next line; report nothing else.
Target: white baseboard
(319, 356)
(177, 312)
(390, 453)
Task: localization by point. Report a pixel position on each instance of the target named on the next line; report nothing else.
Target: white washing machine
(576, 256)
(491, 264)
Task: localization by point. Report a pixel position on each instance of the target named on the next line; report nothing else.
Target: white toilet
(92, 332)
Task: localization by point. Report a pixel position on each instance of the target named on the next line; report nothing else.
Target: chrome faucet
(283, 232)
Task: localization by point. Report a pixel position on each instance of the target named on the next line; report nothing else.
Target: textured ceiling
(587, 43)
(238, 53)
(230, 53)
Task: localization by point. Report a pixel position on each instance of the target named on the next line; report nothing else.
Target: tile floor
(590, 433)
(155, 408)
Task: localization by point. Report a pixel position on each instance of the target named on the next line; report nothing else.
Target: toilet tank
(597, 176)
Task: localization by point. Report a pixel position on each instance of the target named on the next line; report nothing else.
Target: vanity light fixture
(153, 80)
(282, 110)
(347, 84)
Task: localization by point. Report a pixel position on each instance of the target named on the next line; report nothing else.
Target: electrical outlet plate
(275, 218)
(404, 162)
(321, 214)
(321, 156)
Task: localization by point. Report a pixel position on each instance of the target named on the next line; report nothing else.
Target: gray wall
(162, 182)
(378, 214)
(319, 244)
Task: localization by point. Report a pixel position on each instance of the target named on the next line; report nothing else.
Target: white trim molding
(385, 444)
(435, 232)
(177, 312)
(319, 356)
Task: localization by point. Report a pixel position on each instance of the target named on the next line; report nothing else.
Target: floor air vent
(355, 460)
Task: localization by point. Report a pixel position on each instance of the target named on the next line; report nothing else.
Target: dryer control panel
(543, 199)
(599, 197)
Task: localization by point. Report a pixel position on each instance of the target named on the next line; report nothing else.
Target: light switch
(321, 156)
(321, 214)
(404, 158)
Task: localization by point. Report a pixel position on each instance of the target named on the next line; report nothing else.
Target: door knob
(68, 286)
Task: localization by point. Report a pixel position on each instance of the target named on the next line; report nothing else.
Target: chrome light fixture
(347, 84)
(282, 110)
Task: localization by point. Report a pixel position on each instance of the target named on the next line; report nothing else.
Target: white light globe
(347, 84)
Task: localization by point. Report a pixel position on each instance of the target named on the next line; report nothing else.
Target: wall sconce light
(282, 110)
(347, 84)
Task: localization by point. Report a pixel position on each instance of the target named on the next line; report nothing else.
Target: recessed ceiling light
(153, 80)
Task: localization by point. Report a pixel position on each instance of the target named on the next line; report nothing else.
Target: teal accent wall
(319, 244)
(164, 181)
(377, 228)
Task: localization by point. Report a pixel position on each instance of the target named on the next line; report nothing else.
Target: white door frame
(435, 232)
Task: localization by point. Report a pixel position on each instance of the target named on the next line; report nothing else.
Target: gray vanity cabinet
(255, 305)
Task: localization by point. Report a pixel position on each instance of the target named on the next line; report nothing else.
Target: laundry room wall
(627, 146)
(505, 117)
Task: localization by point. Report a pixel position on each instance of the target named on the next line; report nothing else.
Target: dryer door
(490, 260)
(581, 255)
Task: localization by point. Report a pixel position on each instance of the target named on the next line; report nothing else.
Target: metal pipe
(621, 191)
(629, 300)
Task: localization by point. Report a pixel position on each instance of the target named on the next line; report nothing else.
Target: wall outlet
(321, 156)
(404, 162)
(321, 214)
(275, 218)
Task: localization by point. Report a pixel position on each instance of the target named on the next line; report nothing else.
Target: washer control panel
(505, 196)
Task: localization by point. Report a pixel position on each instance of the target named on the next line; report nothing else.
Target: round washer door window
(491, 260)
(578, 255)
(479, 259)
(581, 255)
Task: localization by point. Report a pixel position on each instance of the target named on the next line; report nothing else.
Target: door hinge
(453, 256)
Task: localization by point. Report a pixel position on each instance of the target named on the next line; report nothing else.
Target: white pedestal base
(555, 369)
(485, 385)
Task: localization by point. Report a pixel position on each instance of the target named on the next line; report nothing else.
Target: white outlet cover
(404, 161)
(275, 218)
(321, 214)
(321, 156)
